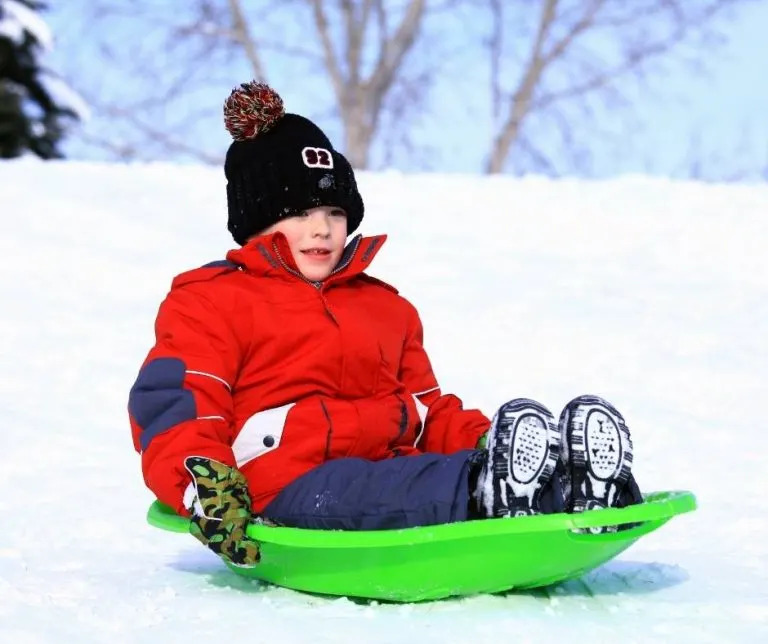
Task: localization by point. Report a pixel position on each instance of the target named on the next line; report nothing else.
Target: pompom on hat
(279, 164)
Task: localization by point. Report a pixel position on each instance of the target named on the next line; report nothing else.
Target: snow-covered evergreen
(36, 107)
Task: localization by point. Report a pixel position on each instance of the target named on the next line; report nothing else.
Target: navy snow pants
(356, 494)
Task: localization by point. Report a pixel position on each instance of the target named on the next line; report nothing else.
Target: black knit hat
(280, 164)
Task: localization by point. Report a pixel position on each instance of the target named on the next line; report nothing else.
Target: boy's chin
(315, 275)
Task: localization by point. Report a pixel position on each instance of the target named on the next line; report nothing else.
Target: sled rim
(657, 509)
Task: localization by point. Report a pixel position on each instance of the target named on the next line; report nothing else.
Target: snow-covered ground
(650, 293)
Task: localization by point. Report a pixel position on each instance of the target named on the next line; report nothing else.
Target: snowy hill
(651, 293)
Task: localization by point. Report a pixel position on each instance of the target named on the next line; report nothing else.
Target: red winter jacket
(258, 368)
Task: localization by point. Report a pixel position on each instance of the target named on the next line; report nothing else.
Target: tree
(572, 55)
(350, 53)
(31, 117)
(367, 70)
(361, 96)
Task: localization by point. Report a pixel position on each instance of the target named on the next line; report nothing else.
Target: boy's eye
(336, 212)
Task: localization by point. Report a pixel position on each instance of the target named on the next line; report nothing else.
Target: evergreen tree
(31, 119)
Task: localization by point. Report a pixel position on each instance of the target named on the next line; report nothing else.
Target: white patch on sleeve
(260, 434)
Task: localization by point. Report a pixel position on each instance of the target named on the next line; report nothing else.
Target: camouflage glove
(221, 511)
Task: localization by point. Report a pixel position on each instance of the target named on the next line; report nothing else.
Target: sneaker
(596, 456)
(522, 451)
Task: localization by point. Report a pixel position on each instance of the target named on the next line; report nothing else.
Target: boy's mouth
(317, 252)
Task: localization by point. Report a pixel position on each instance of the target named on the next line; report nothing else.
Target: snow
(651, 293)
(18, 18)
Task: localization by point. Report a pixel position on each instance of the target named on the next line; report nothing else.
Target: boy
(287, 384)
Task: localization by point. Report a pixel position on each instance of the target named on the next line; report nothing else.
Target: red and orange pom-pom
(252, 109)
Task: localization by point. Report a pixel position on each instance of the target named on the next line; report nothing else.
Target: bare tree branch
(641, 32)
(394, 49)
(361, 96)
(496, 45)
(163, 138)
(241, 34)
(331, 62)
(520, 104)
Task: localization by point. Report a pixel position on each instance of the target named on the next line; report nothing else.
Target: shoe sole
(598, 453)
(524, 447)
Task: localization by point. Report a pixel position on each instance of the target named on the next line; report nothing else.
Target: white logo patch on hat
(317, 158)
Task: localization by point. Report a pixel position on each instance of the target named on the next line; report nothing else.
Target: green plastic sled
(457, 559)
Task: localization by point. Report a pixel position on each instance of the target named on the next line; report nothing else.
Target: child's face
(316, 238)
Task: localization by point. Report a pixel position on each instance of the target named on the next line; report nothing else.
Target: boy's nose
(321, 227)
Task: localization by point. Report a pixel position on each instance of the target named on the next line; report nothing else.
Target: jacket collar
(270, 255)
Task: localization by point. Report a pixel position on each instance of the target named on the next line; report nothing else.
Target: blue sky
(721, 115)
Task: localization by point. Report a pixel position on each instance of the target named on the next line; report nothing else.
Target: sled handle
(657, 509)
(627, 534)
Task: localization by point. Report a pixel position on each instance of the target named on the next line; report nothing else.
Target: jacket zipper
(335, 271)
(341, 267)
(317, 285)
